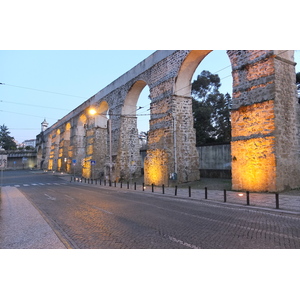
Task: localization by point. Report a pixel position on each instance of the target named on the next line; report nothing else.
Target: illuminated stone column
(264, 121)
(172, 142)
(160, 159)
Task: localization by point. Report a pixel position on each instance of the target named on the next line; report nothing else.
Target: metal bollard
(121, 184)
(248, 198)
(277, 200)
(175, 190)
(135, 186)
(205, 192)
(143, 186)
(190, 192)
(225, 196)
(163, 188)
(127, 184)
(152, 186)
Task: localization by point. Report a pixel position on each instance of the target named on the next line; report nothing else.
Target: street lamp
(92, 111)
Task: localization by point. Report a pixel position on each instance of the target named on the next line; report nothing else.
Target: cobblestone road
(109, 218)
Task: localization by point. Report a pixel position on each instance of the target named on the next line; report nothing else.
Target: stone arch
(101, 116)
(129, 152)
(67, 134)
(97, 141)
(132, 97)
(59, 140)
(187, 69)
(54, 149)
(78, 143)
(67, 158)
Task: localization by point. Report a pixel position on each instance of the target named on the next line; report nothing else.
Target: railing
(268, 200)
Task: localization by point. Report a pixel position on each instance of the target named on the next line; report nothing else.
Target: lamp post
(110, 150)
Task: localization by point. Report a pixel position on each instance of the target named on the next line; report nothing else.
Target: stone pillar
(264, 124)
(159, 161)
(128, 164)
(172, 142)
(184, 141)
(54, 149)
(100, 155)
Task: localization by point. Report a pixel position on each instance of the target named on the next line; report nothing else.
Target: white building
(30, 143)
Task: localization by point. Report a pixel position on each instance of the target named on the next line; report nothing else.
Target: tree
(6, 141)
(211, 110)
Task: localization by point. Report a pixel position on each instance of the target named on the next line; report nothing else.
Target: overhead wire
(63, 94)
(44, 91)
(34, 105)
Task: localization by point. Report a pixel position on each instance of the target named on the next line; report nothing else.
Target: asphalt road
(98, 217)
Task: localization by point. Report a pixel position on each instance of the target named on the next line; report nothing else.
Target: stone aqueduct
(265, 123)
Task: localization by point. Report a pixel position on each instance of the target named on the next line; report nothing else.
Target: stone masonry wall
(265, 122)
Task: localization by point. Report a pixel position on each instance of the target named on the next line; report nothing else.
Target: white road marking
(183, 243)
(49, 197)
(103, 210)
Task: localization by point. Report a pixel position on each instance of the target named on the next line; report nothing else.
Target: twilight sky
(48, 84)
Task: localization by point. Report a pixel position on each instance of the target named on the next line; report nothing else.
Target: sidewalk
(21, 224)
(287, 201)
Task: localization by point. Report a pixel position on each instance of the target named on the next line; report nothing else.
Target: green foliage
(211, 110)
(6, 141)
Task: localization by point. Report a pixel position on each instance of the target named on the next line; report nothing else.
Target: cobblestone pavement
(108, 217)
(85, 215)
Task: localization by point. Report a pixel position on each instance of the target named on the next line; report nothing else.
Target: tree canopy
(6, 141)
(211, 110)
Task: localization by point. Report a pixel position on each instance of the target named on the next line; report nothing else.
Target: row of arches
(79, 140)
(105, 143)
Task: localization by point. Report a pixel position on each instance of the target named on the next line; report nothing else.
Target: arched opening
(67, 153)
(134, 120)
(183, 130)
(54, 149)
(78, 144)
(99, 142)
(187, 70)
(98, 114)
(212, 98)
